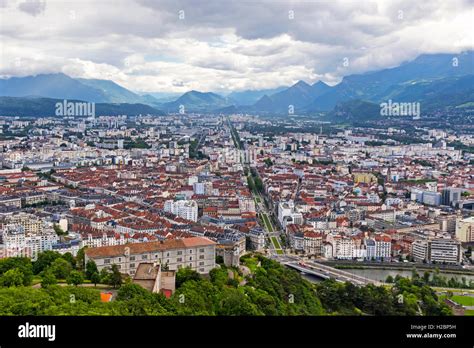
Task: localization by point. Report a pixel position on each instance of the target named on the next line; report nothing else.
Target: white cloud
(224, 45)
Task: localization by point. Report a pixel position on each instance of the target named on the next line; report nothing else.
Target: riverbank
(394, 266)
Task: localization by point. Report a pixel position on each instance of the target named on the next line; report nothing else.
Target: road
(322, 271)
(327, 272)
(272, 235)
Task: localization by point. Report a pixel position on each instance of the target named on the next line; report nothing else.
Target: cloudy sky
(220, 45)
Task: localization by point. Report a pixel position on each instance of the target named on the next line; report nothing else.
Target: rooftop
(140, 248)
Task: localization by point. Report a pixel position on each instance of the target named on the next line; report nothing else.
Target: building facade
(197, 253)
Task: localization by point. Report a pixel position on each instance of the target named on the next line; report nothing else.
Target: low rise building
(197, 253)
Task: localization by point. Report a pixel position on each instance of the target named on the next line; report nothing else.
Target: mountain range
(38, 106)
(436, 80)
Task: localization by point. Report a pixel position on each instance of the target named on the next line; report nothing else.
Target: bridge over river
(326, 272)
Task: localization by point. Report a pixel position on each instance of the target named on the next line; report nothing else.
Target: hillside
(36, 107)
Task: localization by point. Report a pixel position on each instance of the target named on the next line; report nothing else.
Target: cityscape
(325, 187)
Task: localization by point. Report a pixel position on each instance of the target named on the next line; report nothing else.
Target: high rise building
(187, 209)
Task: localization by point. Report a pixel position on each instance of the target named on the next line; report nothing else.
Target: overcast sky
(176, 46)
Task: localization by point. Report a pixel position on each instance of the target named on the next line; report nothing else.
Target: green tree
(91, 268)
(115, 277)
(426, 277)
(234, 302)
(21, 263)
(12, 277)
(48, 279)
(105, 276)
(195, 297)
(95, 278)
(219, 276)
(130, 291)
(44, 260)
(75, 278)
(70, 258)
(80, 259)
(61, 268)
(186, 274)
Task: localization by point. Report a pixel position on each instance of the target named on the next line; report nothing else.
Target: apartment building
(313, 243)
(465, 229)
(439, 250)
(379, 247)
(187, 209)
(18, 242)
(29, 222)
(198, 253)
(343, 247)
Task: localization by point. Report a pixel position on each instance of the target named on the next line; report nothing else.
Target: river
(382, 274)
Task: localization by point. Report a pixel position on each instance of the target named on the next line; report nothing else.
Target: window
(180, 252)
(201, 250)
(144, 257)
(201, 269)
(190, 258)
(167, 254)
(201, 263)
(201, 257)
(132, 265)
(132, 258)
(120, 259)
(190, 265)
(107, 261)
(179, 259)
(190, 251)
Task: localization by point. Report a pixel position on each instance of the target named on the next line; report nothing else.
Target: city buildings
(186, 209)
(197, 253)
(439, 250)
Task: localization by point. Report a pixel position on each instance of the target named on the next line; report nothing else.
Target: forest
(58, 284)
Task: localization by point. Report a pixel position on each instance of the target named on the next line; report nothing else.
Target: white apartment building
(197, 253)
(343, 247)
(379, 247)
(187, 209)
(17, 242)
(285, 209)
(439, 250)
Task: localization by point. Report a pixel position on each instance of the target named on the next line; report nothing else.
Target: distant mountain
(354, 111)
(195, 101)
(319, 88)
(452, 92)
(162, 97)
(62, 86)
(299, 95)
(426, 90)
(250, 97)
(58, 86)
(379, 85)
(264, 104)
(117, 94)
(37, 107)
(436, 80)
